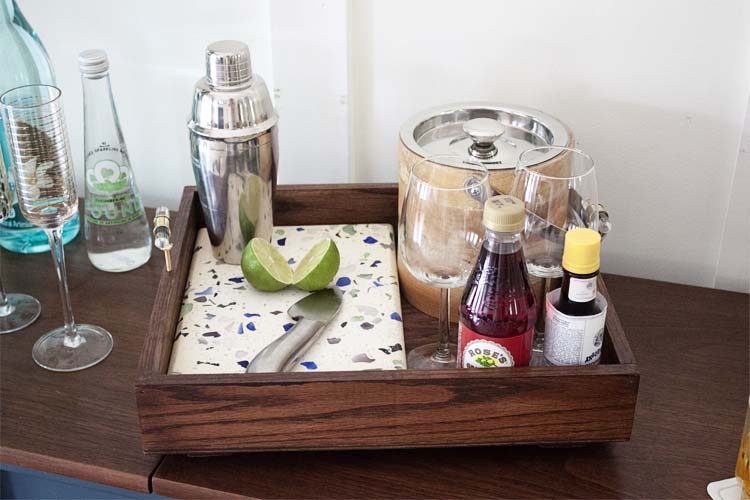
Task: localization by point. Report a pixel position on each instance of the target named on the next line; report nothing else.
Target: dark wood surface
(81, 424)
(158, 348)
(691, 345)
(342, 410)
(692, 350)
(220, 413)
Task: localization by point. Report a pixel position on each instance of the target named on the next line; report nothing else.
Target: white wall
(309, 44)
(657, 92)
(156, 51)
(733, 269)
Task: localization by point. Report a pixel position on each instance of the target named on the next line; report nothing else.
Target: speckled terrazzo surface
(225, 322)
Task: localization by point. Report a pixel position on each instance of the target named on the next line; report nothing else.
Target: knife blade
(313, 313)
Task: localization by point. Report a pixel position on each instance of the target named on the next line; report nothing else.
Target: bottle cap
(503, 213)
(581, 253)
(92, 62)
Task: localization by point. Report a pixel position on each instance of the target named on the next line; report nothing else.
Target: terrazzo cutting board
(225, 322)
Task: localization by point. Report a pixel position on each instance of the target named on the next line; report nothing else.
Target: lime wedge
(264, 267)
(318, 267)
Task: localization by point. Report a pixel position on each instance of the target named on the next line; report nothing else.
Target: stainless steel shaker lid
(228, 64)
(494, 134)
(230, 102)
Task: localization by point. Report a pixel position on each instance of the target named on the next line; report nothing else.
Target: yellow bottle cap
(503, 213)
(581, 253)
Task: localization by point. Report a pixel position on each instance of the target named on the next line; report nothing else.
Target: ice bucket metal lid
(494, 134)
(231, 102)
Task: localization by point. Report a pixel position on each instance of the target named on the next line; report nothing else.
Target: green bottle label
(110, 200)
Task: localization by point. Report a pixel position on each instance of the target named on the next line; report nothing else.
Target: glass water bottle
(116, 231)
(23, 61)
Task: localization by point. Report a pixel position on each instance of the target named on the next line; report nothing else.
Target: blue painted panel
(19, 482)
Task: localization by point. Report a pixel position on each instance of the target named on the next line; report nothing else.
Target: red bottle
(498, 309)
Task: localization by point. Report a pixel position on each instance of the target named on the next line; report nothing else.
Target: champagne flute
(562, 197)
(46, 192)
(440, 235)
(17, 310)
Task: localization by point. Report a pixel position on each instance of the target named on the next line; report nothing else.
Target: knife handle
(281, 354)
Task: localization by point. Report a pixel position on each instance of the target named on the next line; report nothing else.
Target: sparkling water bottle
(116, 231)
(23, 61)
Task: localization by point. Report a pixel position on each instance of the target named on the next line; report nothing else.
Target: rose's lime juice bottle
(498, 309)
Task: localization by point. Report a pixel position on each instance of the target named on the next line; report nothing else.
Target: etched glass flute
(440, 234)
(17, 310)
(46, 192)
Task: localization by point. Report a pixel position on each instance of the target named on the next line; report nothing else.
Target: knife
(313, 313)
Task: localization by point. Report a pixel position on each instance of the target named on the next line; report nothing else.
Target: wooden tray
(207, 414)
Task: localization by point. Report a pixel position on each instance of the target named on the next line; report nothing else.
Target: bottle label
(15, 219)
(480, 351)
(582, 290)
(573, 340)
(110, 199)
(112, 210)
(106, 177)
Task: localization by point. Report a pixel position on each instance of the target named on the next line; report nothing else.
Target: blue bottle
(23, 61)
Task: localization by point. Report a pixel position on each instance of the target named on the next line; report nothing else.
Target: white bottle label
(573, 340)
(582, 290)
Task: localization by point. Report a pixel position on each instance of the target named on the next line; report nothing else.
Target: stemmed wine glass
(17, 310)
(561, 197)
(440, 235)
(46, 191)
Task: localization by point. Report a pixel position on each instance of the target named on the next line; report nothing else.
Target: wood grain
(232, 413)
(80, 424)
(615, 344)
(369, 409)
(692, 350)
(335, 204)
(167, 303)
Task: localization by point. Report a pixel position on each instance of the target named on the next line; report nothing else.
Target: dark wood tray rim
(604, 413)
(155, 373)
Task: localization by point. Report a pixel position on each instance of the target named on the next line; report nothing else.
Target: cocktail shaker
(234, 147)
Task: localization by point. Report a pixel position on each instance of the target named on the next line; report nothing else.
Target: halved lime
(318, 267)
(264, 267)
